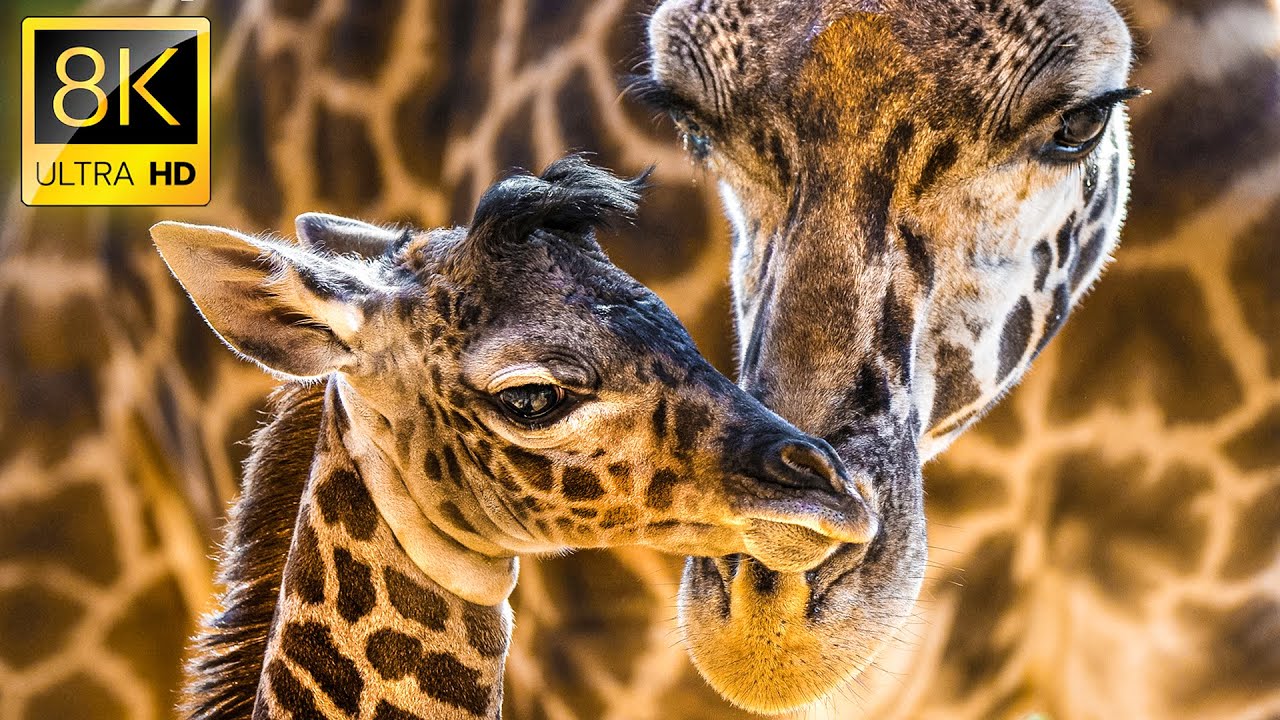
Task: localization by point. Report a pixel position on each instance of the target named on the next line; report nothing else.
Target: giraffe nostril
(804, 465)
(801, 502)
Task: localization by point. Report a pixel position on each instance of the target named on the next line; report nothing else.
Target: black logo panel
(82, 97)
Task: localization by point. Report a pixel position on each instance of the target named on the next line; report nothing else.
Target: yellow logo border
(183, 196)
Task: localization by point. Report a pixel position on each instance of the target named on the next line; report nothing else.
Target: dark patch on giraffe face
(898, 145)
(781, 162)
(1065, 240)
(431, 466)
(415, 601)
(311, 647)
(291, 695)
(1042, 258)
(343, 498)
(581, 484)
(955, 385)
(304, 573)
(691, 420)
(869, 397)
(894, 332)
(659, 419)
(387, 711)
(763, 580)
(618, 517)
(665, 375)
(919, 257)
(1014, 338)
(535, 469)
(941, 159)
(453, 514)
(484, 629)
(1102, 204)
(621, 474)
(664, 525)
(356, 594)
(659, 493)
(875, 190)
(441, 676)
(1091, 253)
(1056, 316)
(480, 449)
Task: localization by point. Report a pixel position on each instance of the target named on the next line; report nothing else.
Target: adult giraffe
(920, 193)
(1101, 512)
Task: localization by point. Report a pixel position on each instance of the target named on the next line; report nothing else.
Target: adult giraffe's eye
(531, 402)
(1081, 129)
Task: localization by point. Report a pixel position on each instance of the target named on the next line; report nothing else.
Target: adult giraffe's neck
(360, 629)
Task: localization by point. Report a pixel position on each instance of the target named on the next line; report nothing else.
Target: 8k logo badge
(115, 111)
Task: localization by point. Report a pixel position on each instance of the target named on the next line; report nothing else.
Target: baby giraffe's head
(510, 389)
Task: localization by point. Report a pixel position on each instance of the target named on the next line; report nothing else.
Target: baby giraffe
(459, 397)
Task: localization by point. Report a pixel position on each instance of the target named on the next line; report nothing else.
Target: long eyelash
(1114, 97)
(653, 94)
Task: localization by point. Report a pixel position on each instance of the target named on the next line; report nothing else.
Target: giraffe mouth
(791, 530)
(773, 639)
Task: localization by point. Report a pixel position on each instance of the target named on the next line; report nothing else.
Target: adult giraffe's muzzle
(801, 505)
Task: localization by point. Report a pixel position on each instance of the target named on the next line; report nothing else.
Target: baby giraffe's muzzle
(800, 504)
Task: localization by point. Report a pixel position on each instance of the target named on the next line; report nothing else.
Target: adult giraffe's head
(527, 395)
(920, 190)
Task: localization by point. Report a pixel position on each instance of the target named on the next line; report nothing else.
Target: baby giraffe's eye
(695, 140)
(531, 402)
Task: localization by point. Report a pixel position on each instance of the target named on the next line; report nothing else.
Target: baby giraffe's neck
(360, 629)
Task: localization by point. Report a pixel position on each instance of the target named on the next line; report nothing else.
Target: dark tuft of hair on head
(571, 196)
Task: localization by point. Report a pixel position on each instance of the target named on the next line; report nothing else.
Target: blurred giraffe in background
(1102, 543)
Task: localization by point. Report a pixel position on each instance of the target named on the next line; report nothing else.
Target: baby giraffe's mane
(227, 656)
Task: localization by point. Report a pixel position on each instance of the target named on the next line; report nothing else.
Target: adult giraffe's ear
(345, 236)
(293, 311)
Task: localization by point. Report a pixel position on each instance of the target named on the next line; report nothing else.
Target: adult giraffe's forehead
(744, 63)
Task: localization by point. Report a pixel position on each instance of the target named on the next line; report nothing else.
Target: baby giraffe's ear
(345, 236)
(291, 310)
